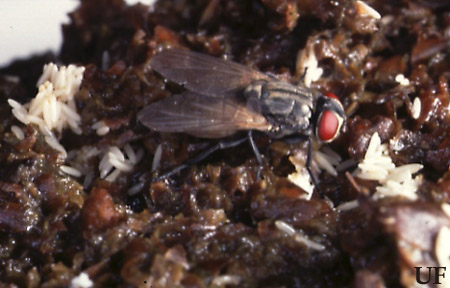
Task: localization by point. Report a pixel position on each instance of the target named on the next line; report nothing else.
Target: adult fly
(223, 97)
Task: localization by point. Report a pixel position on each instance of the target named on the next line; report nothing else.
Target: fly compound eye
(328, 127)
(331, 95)
(329, 122)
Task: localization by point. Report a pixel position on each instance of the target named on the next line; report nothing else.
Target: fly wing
(201, 116)
(204, 74)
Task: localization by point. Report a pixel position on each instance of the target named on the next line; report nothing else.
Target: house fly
(223, 97)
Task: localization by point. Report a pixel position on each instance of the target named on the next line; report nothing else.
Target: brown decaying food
(214, 222)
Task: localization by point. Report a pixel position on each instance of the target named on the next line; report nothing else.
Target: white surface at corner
(30, 26)
(34, 26)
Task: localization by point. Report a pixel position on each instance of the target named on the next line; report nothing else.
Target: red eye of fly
(328, 126)
(331, 95)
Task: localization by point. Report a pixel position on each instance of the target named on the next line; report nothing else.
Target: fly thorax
(286, 107)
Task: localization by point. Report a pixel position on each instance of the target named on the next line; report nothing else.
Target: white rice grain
(46, 74)
(35, 110)
(446, 208)
(74, 126)
(47, 132)
(399, 172)
(53, 107)
(90, 151)
(376, 162)
(20, 116)
(157, 158)
(310, 244)
(400, 182)
(333, 157)
(52, 142)
(113, 176)
(101, 128)
(324, 163)
(47, 113)
(130, 153)
(136, 188)
(70, 112)
(103, 162)
(17, 132)
(12, 79)
(114, 152)
(284, 227)
(56, 110)
(298, 236)
(364, 9)
(103, 131)
(416, 108)
(60, 79)
(346, 206)
(120, 165)
(369, 171)
(16, 105)
(105, 167)
(395, 181)
(225, 280)
(98, 125)
(70, 171)
(115, 158)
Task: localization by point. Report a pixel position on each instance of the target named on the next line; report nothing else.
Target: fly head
(329, 117)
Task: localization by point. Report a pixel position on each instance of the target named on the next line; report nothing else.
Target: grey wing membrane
(201, 116)
(204, 74)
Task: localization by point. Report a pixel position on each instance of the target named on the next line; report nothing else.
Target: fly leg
(308, 168)
(219, 146)
(257, 154)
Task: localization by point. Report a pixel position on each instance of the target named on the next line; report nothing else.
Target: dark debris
(215, 219)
